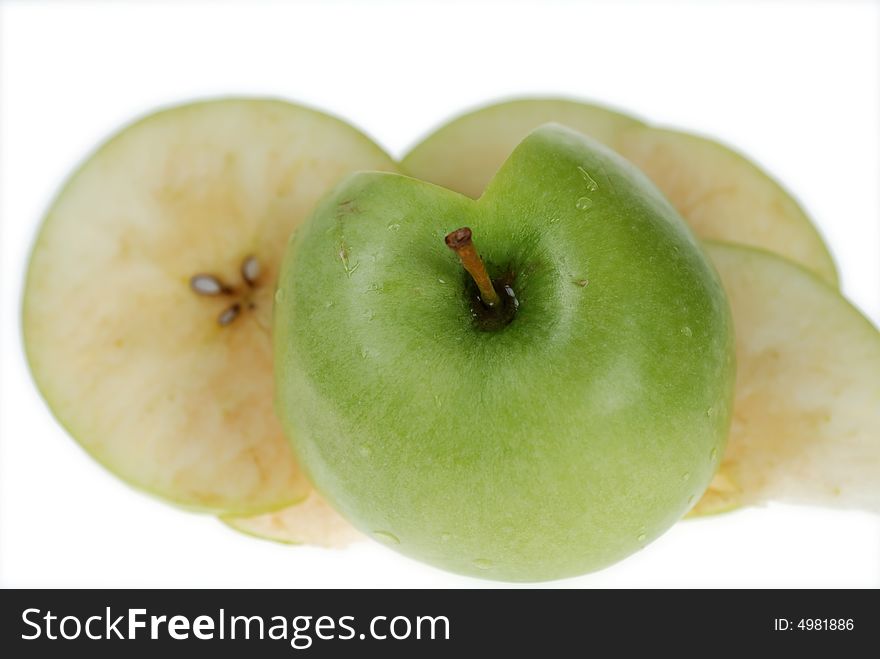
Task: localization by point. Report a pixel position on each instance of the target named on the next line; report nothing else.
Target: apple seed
(228, 315)
(211, 285)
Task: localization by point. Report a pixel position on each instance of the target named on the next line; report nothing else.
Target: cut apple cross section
(806, 419)
(310, 522)
(721, 194)
(150, 290)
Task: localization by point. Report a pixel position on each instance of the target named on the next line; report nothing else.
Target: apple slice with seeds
(723, 195)
(311, 522)
(806, 418)
(149, 295)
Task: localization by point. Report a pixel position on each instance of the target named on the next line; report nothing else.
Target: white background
(795, 85)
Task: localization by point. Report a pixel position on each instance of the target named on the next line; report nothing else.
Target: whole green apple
(549, 434)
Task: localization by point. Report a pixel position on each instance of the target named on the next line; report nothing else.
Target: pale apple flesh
(722, 194)
(310, 522)
(806, 418)
(149, 294)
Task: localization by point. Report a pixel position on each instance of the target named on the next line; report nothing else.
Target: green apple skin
(555, 446)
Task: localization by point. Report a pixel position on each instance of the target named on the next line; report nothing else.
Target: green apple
(723, 195)
(148, 302)
(546, 434)
(309, 522)
(806, 420)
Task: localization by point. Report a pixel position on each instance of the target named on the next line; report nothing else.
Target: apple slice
(806, 420)
(726, 197)
(311, 522)
(723, 195)
(149, 295)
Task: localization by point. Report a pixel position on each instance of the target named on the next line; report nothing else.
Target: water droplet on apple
(583, 203)
(686, 476)
(554, 220)
(482, 564)
(592, 186)
(642, 536)
(709, 411)
(328, 304)
(713, 453)
(691, 498)
(364, 353)
(279, 295)
(582, 282)
(437, 400)
(386, 537)
(365, 451)
(442, 281)
(687, 331)
(394, 227)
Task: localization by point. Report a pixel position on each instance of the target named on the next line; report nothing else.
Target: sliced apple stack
(806, 418)
(150, 288)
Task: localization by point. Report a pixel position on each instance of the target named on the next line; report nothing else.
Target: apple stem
(460, 241)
